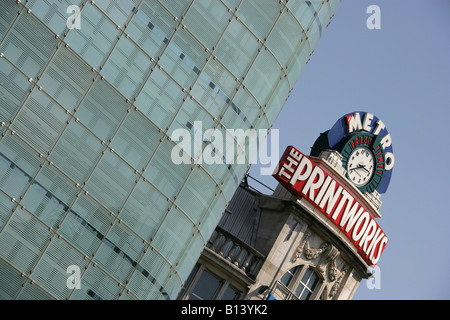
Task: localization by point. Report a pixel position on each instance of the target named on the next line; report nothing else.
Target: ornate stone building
(279, 247)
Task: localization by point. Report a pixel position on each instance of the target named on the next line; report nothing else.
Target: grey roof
(241, 218)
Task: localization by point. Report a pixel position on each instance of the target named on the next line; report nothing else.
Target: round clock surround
(364, 160)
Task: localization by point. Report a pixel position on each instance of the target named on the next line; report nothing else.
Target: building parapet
(334, 159)
(238, 254)
(374, 199)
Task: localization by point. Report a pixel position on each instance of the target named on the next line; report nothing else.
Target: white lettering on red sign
(302, 177)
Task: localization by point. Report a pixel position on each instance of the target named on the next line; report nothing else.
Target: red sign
(339, 203)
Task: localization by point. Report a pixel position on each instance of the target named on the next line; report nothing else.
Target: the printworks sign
(367, 156)
(302, 177)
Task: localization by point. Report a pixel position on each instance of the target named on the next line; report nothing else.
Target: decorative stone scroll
(339, 275)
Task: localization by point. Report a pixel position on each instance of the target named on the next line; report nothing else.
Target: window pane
(160, 98)
(40, 121)
(151, 27)
(207, 15)
(95, 39)
(177, 8)
(284, 38)
(183, 267)
(312, 282)
(76, 152)
(305, 295)
(307, 285)
(144, 210)
(306, 275)
(263, 76)
(206, 287)
(28, 45)
(67, 78)
(136, 140)
(118, 11)
(287, 277)
(230, 294)
(196, 195)
(213, 88)
(301, 11)
(7, 15)
(300, 290)
(163, 173)
(277, 100)
(50, 196)
(96, 284)
(113, 260)
(102, 110)
(146, 281)
(23, 239)
(173, 236)
(6, 207)
(127, 68)
(18, 164)
(50, 271)
(111, 182)
(184, 58)
(258, 16)
(237, 48)
(243, 111)
(80, 233)
(14, 88)
(11, 281)
(53, 12)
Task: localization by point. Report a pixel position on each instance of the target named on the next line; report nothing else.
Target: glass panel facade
(90, 95)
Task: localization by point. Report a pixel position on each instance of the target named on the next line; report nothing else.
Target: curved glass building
(92, 205)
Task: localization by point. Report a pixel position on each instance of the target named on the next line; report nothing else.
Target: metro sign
(368, 123)
(339, 201)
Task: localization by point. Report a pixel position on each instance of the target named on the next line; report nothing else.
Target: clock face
(363, 158)
(360, 166)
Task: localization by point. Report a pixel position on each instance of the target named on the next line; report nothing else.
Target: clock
(360, 166)
(363, 159)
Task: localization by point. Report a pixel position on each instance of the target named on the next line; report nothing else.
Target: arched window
(301, 281)
(307, 284)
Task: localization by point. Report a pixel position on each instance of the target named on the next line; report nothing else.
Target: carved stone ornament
(327, 259)
(312, 253)
(298, 252)
(340, 275)
(333, 272)
(309, 252)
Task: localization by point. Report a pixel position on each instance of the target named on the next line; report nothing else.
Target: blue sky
(400, 73)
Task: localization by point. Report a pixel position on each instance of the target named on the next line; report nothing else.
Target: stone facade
(291, 236)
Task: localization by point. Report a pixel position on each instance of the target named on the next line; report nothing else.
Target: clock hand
(356, 171)
(360, 167)
(363, 166)
(364, 169)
